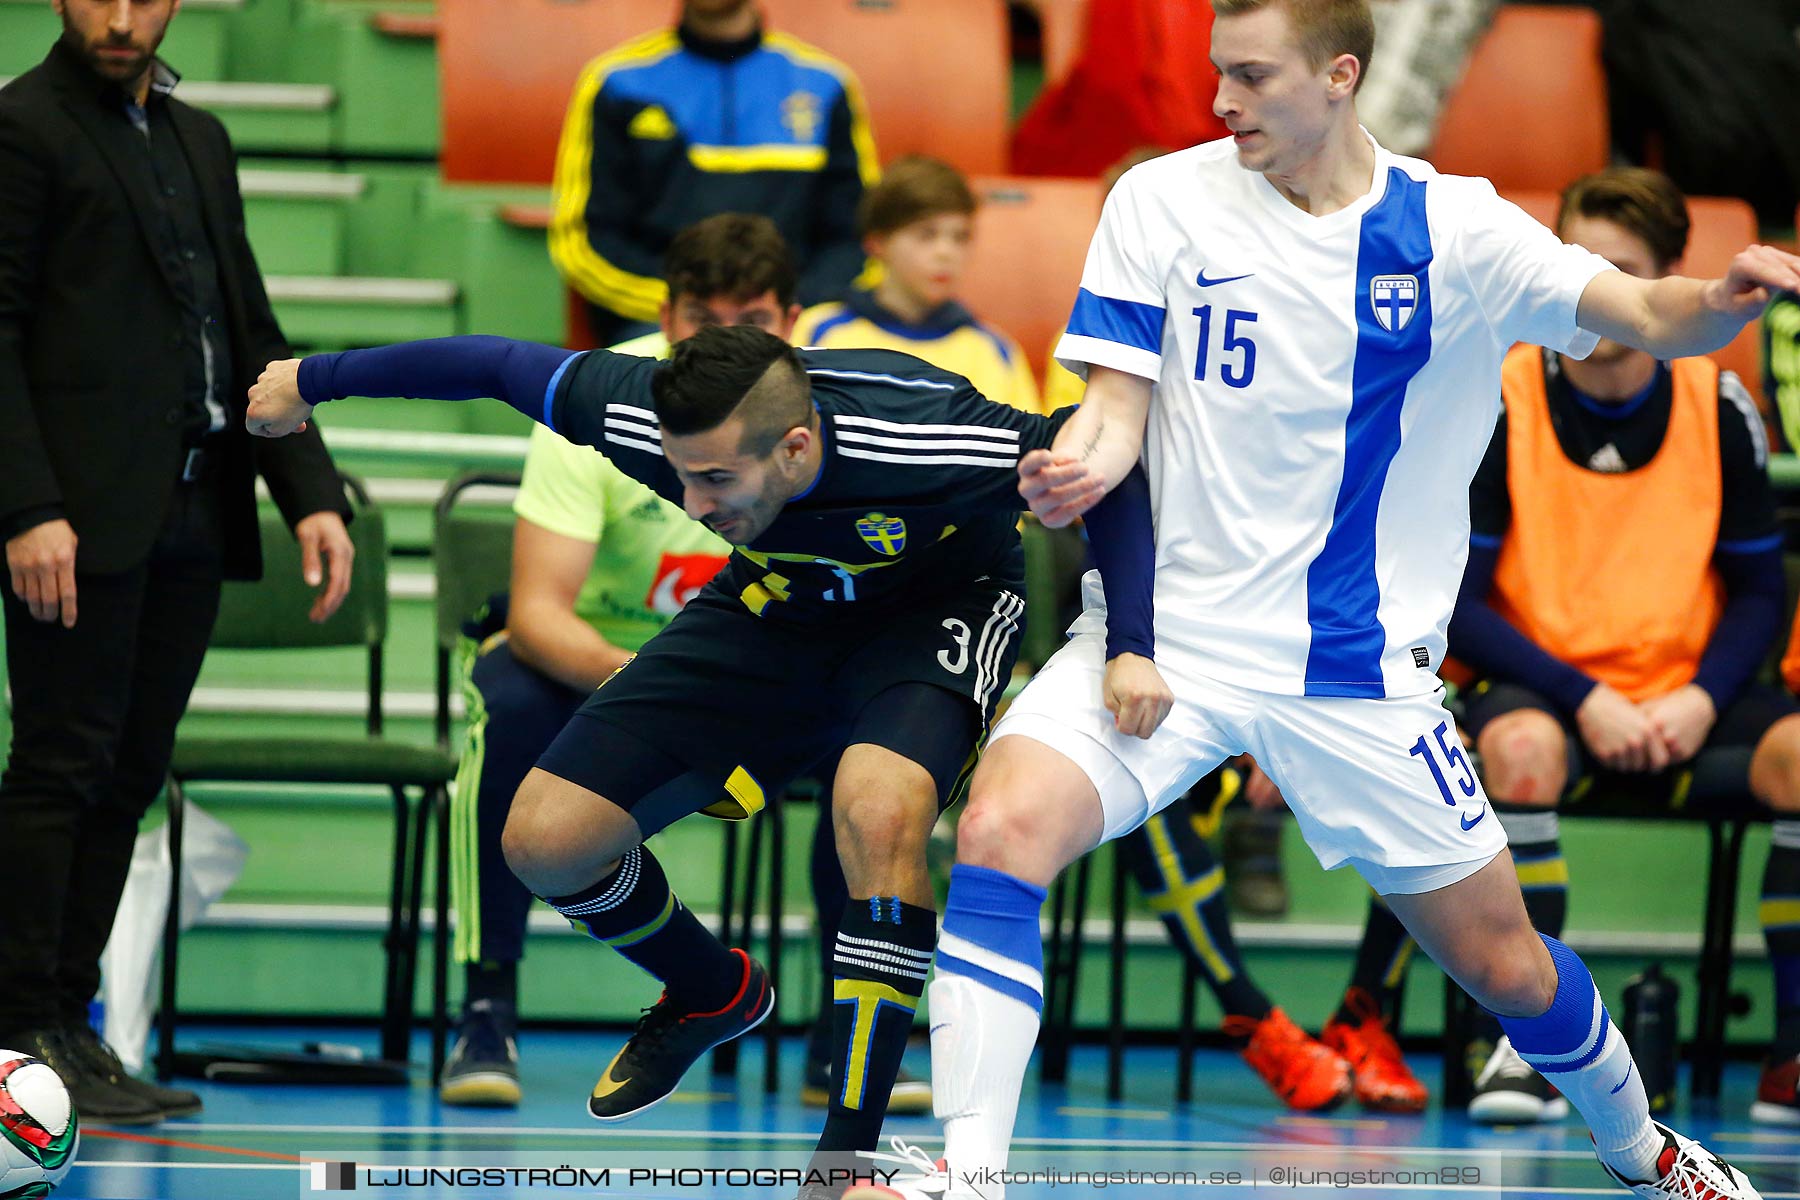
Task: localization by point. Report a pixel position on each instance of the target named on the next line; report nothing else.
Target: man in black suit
(132, 321)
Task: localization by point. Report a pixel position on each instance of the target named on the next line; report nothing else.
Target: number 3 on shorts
(959, 633)
(1453, 755)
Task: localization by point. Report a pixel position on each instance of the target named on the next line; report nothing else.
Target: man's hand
(1754, 274)
(1682, 719)
(42, 563)
(1136, 695)
(276, 408)
(322, 536)
(1619, 733)
(1058, 487)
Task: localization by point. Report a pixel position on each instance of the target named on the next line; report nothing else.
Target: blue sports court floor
(258, 1143)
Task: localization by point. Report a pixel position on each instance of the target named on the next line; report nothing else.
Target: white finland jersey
(1325, 388)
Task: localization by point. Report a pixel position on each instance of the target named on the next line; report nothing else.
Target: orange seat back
(1530, 111)
(935, 73)
(1063, 26)
(506, 71)
(1722, 226)
(1031, 239)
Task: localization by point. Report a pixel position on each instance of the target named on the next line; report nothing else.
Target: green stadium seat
(270, 615)
(472, 550)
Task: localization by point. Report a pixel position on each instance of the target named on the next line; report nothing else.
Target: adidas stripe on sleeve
(930, 433)
(603, 401)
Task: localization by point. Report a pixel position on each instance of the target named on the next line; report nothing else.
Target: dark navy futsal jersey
(917, 495)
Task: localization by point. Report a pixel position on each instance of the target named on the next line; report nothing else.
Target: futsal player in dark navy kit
(874, 600)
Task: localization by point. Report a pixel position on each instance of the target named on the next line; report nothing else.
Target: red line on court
(210, 1149)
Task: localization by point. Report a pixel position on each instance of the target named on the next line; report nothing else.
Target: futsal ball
(38, 1129)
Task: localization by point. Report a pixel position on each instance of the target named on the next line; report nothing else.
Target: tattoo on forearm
(1093, 442)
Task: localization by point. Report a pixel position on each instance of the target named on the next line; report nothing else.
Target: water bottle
(1652, 1001)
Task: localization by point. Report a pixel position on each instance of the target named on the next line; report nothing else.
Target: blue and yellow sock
(1185, 886)
(1383, 955)
(883, 954)
(1780, 910)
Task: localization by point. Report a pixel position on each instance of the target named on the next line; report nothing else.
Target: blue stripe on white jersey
(1127, 322)
(1393, 344)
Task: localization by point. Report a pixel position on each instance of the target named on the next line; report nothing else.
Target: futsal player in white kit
(1301, 333)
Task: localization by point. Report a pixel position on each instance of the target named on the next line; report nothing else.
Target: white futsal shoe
(930, 1178)
(1690, 1172)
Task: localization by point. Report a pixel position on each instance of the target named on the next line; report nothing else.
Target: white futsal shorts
(1381, 785)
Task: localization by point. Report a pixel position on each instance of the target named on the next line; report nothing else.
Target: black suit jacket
(92, 398)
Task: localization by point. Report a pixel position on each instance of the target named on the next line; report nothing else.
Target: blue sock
(991, 933)
(1576, 1046)
(1573, 1029)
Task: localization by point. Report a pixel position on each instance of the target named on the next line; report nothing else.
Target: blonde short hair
(1325, 28)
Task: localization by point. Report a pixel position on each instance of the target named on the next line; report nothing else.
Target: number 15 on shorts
(1451, 750)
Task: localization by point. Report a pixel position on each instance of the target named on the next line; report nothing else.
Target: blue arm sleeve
(1755, 593)
(1491, 644)
(455, 368)
(1122, 534)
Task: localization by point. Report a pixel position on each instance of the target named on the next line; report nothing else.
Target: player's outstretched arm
(520, 374)
(1095, 450)
(1675, 316)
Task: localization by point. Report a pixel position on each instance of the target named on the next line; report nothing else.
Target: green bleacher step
(297, 220)
(359, 448)
(269, 116)
(354, 310)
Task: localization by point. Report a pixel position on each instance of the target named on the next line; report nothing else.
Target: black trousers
(94, 715)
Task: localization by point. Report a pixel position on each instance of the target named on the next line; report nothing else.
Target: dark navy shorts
(720, 710)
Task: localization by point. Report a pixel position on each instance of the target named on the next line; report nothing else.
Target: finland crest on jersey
(1395, 298)
(1326, 387)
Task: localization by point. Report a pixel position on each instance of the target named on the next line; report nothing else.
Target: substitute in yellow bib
(1624, 584)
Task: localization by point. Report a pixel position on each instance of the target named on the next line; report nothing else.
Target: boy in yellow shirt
(916, 223)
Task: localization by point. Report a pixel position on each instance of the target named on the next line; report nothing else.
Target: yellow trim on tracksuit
(718, 160)
(1778, 913)
(637, 297)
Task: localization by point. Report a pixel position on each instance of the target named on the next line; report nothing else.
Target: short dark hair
(725, 371)
(731, 254)
(1644, 203)
(911, 189)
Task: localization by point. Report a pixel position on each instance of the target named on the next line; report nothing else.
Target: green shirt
(649, 558)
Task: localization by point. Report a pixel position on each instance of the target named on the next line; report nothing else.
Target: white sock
(1609, 1095)
(981, 1043)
